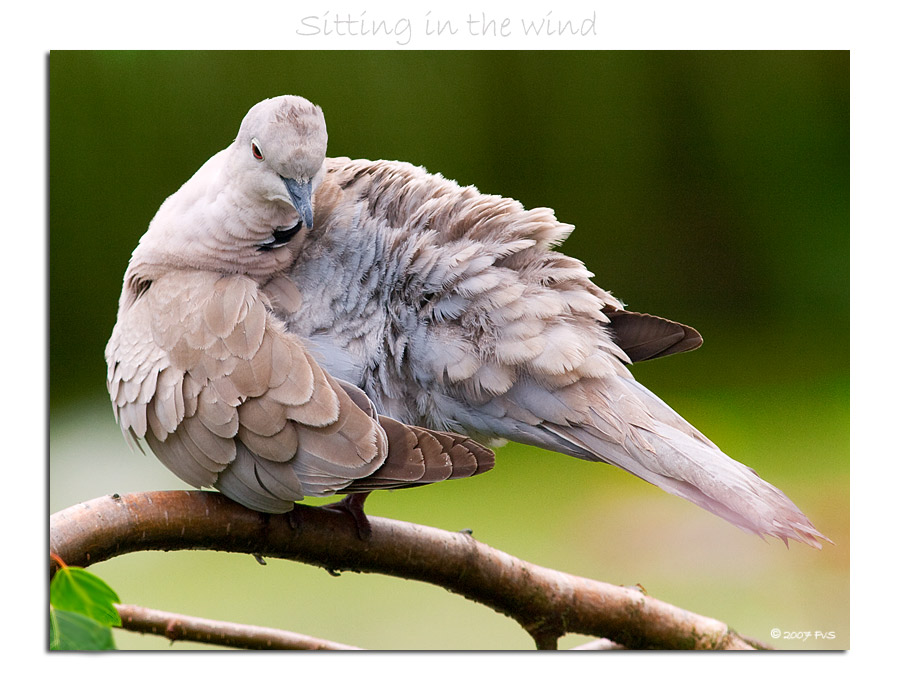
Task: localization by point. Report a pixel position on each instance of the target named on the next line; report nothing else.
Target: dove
(296, 325)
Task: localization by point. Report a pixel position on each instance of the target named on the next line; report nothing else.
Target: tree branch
(546, 603)
(598, 645)
(197, 629)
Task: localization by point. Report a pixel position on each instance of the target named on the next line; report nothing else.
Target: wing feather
(203, 371)
(646, 337)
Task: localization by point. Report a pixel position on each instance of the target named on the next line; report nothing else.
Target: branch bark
(546, 603)
(178, 627)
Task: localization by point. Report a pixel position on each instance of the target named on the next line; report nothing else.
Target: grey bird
(293, 325)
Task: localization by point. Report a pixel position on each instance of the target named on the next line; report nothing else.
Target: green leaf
(71, 631)
(54, 630)
(78, 591)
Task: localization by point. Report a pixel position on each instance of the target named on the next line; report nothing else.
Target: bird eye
(257, 153)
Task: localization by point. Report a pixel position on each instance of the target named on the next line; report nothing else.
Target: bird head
(240, 211)
(279, 149)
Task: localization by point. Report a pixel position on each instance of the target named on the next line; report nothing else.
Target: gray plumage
(411, 313)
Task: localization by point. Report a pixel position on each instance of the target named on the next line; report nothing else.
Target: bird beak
(300, 192)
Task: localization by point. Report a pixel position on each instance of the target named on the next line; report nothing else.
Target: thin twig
(546, 603)
(176, 627)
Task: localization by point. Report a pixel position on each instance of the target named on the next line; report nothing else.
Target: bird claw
(353, 505)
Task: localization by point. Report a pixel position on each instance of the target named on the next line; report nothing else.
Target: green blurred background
(712, 188)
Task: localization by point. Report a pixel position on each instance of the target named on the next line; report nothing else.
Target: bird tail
(667, 451)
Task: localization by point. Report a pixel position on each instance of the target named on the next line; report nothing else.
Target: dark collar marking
(281, 238)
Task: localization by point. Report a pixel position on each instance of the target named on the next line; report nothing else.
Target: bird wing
(202, 370)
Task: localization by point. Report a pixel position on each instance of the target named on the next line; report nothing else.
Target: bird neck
(210, 223)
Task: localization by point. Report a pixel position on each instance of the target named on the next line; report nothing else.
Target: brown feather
(300, 382)
(247, 336)
(340, 449)
(216, 413)
(251, 378)
(646, 337)
(280, 447)
(322, 407)
(224, 308)
(419, 456)
(283, 294)
(262, 415)
(218, 449)
(176, 456)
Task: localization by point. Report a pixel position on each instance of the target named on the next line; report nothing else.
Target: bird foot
(353, 505)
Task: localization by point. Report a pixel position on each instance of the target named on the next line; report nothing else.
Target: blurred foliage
(709, 187)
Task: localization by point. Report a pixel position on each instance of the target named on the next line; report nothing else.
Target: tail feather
(670, 453)
(704, 475)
